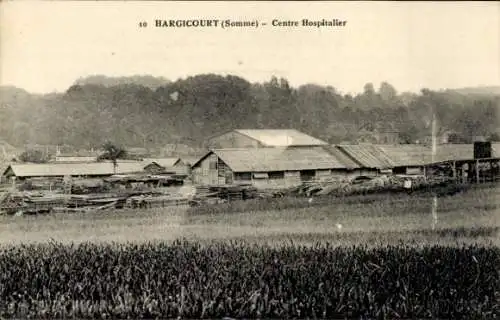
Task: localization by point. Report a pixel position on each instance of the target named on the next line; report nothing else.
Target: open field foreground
(376, 256)
(472, 216)
(190, 280)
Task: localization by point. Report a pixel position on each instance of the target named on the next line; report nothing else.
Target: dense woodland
(149, 112)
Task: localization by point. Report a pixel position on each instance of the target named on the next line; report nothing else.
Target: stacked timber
(34, 202)
(31, 202)
(10, 204)
(204, 192)
(231, 192)
(373, 185)
(148, 201)
(212, 194)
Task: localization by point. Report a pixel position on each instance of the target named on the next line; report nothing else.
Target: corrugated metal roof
(417, 155)
(278, 159)
(281, 137)
(368, 156)
(341, 156)
(331, 157)
(407, 154)
(73, 169)
(448, 152)
(164, 162)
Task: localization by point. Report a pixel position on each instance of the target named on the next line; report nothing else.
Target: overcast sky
(46, 46)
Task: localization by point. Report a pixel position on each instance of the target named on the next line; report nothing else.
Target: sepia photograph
(249, 160)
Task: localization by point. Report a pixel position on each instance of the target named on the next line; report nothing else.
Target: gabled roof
(190, 160)
(162, 162)
(277, 159)
(72, 169)
(281, 137)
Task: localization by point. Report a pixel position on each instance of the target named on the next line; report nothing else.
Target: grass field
(394, 256)
(377, 219)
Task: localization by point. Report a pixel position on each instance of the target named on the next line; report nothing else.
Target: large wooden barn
(272, 167)
(263, 138)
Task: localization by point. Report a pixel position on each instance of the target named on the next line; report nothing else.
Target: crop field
(248, 281)
(372, 256)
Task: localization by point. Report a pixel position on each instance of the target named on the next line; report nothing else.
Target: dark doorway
(307, 175)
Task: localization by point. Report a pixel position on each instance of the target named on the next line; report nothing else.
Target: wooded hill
(152, 112)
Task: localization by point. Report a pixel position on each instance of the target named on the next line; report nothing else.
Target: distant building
(178, 149)
(256, 138)
(48, 149)
(137, 153)
(387, 137)
(68, 158)
(447, 137)
(60, 170)
(164, 165)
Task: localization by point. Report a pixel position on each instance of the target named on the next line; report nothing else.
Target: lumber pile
(27, 202)
(10, 204)
(85, 186)
(40, 184)
(41, 195)
(212, 194)
(385, 183)
(148, 201)
(34, 202)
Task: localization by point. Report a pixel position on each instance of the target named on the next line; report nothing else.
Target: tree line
(189, 110)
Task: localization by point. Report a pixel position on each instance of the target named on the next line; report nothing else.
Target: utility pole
(433, 156)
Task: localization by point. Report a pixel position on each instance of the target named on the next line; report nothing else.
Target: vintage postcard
(249, 159)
